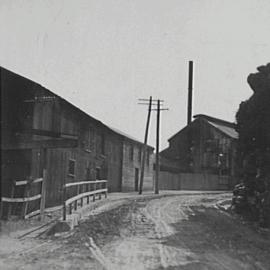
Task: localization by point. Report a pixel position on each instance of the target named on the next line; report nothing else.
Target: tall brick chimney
(190, 85)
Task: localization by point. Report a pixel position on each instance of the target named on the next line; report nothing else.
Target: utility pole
(157, 144)
(157, 149)
(158, 103)
(145, 144)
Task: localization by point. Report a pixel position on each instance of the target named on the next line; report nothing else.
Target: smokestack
(190, 85)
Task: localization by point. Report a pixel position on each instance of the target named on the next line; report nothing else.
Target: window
(89, 139)
(131, 152)
(88, 171)
(210, 160)
(71, 167)
(98, 176)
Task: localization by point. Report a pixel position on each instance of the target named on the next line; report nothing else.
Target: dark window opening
(89, 139)
(98, 175)
(136, 179)
(71, 167)
(88, 173)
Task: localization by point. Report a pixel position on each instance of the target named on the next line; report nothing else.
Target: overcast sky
(103, 55)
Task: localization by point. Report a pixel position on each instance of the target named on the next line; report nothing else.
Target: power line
(145, 144)
(157, 167)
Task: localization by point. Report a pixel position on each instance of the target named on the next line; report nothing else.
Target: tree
(253, 126)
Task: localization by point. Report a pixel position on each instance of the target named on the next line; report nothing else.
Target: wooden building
(132, 157)
(206, 145)
(41, 130)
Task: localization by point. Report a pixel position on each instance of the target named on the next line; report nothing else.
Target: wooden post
(1, 209)
(26, 195)
(94, 194)
(11, 196)
(43, 195)
(157, 149)
(81, 202)
(145, 145)
(100, 187)
(87, 189)
(64, 201)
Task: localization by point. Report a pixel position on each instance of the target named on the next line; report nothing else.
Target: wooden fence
(84, 189)
(27, 198)
(194, 181)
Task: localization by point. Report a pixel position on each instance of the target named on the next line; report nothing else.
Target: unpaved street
(175, 231)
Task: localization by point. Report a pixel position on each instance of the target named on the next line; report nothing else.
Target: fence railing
(193, 181)
(10, 201)
(85, 189)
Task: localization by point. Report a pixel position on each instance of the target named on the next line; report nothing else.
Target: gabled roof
(231, 132)
(215, 120)
(225, 127)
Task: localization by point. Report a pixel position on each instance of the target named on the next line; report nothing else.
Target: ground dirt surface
(173, 230)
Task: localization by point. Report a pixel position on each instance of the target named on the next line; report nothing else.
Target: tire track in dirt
(99, 256)
(162, 232)
(141, 246)
(134, 248)
(158, 237)
(164, 212)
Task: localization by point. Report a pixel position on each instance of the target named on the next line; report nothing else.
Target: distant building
(206, 145)
(131, 164)
(41, 130)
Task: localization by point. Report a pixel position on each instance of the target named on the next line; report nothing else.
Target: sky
(102, 55)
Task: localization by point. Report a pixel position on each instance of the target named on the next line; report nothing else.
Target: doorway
(136, 179)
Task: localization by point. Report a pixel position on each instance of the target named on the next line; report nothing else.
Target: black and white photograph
(135, 134)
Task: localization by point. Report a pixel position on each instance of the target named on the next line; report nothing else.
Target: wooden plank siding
(201, 148)
(193, 181)
(132, 161)
(47, 132)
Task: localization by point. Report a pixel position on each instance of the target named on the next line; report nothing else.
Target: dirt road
(175, 231)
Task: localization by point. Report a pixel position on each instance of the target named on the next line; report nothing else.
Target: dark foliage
(253, 125)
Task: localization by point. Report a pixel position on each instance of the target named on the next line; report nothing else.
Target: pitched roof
(215, 120)
(226, 127)
(231, 132)
(78, 109)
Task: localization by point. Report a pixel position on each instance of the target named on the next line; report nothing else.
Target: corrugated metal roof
(230, 131)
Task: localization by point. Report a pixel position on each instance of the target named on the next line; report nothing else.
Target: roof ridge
(214, 119)
(114, 130)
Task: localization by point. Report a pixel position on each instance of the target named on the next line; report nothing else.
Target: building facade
(132, 156)
(41, 130)
(206, 145)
